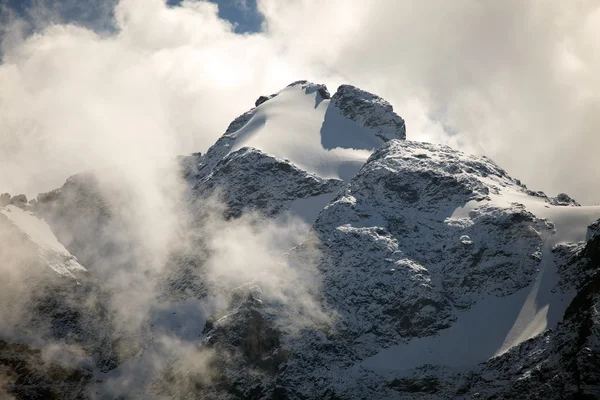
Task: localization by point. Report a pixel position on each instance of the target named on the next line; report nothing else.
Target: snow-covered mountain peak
(327, 137)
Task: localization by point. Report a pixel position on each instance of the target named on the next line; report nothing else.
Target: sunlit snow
(309, 133)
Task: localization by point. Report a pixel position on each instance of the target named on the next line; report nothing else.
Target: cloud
(74, 100)
(513, 80)
(290, 280)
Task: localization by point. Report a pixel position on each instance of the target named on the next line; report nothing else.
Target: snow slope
(545, 303)
(50, 251)
(288, 126)
(300, 125)
(509, 320)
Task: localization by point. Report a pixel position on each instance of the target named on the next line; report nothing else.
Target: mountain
(426, 272)
(56, 326)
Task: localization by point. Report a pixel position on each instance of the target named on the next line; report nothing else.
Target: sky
(90, 83)
(94, 14)
(243, 14)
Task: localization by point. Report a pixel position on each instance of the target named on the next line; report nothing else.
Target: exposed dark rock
(80, 206)
(252, 180)
(260, 100)
(240, 121)
(26, 374)
(48, 197)
(263, 99)
(324, 93)
(370, 111)
(4, 199)
(298, 82)
(538, 193)
(19, 200)
(428, 385)
(593, 230)
(310, 87)
(563, 200)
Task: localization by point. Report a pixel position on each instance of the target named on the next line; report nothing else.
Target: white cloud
(169, 82)
(515, 80)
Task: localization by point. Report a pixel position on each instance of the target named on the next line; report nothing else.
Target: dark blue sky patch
(98, 14)
(243, 14)
(93, 14)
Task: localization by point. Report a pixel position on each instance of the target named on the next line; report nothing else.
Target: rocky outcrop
(563, 199)
(243, 345)
(80, 215)
(593, 230)
(400, 206)
(250, 180)
(560, 364)
(248, 327)
(263, 99)
(25, 373)
(310, 87)
(4, 199)
(370, 111)
(19, 200)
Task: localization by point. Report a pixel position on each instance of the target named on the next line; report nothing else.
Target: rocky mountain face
(56, 327)
(393, 224)
(438, 275)
(250, 179)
